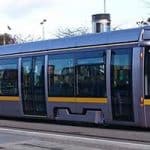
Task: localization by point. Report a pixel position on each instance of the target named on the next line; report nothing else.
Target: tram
(98, 78)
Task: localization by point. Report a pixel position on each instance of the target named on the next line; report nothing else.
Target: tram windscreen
(147, 72)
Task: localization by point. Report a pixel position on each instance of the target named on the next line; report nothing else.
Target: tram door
(33, 87)
(121, 85)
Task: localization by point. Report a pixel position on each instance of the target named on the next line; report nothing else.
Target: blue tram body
(102, 77)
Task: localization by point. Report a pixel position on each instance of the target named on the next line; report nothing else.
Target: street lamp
(43, 30)
(9, 28)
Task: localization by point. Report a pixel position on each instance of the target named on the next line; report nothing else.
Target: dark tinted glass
(121, 84)
(147, 72)
(9, 77)
(27, 79)
(98, 25)
(91, 76)
(33, 90)
(60, 76)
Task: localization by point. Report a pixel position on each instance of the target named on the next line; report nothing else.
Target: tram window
(91, 77)
(147, 72)
(8, 77)
(60, 77)
(121, 68)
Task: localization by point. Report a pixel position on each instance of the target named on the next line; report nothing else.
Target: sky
(24, 16)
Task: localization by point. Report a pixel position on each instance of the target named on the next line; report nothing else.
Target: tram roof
(106, 38)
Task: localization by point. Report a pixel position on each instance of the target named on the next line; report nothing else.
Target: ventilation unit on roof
(101, 23)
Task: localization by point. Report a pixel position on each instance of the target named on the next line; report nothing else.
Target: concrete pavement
(14, 139)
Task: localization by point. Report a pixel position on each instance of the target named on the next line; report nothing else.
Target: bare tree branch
(27, 38)
(71, 32)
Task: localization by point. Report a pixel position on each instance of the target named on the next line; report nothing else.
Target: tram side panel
(145, 99)
(9, 93)
(137, 73)
(77, 92)
(89, 112)
(10, 108)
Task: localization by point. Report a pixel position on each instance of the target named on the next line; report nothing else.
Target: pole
(4, 39)
(104, 6)
(43, 28)
(43, 32)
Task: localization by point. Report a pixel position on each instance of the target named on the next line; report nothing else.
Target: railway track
(113, 133)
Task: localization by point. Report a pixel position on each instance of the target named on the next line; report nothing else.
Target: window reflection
(121, 68)
(91, 77)
(39, 72)
(121, 84)
(147, 72)
(87, 78)
(8, 77)
(61, 77)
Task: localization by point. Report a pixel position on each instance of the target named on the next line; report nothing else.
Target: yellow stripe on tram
(77, 100)
(9, 98)
(92, 100)
(62, 99)
(146, 102)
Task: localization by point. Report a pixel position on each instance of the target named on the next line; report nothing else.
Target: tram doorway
(33, 87)
(121, 85)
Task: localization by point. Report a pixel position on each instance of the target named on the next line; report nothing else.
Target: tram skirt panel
(10, 108)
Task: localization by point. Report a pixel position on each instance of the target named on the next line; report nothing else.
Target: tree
(71, 32)
(147, 21)
(6, 39)
(25, 38)
(143, 22)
